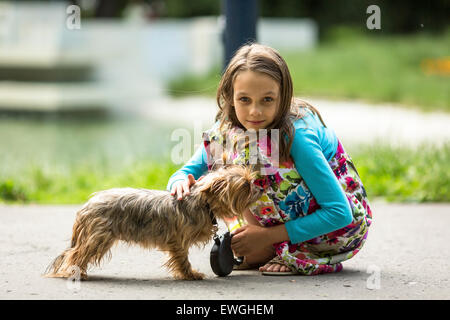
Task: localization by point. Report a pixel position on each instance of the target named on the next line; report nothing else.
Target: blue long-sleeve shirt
(313, 146)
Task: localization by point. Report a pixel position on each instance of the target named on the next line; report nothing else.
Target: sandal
(277, 260)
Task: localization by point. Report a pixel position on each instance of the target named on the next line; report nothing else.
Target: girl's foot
(276, 266)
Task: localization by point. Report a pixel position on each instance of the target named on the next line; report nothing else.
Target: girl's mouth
(255, 122)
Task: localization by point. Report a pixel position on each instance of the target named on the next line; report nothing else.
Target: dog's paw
(192, 275)
(197, 275)
(83, 276)
(67, 275)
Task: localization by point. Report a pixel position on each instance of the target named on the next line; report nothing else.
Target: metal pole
(240, 25)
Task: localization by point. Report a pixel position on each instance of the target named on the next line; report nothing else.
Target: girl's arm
(196, 166)
(335, 212)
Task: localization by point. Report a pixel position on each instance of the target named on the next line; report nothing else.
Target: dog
(156, 219)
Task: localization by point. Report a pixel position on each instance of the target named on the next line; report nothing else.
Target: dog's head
(230, 190)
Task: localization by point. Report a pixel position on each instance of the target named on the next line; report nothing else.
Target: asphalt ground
(406, 256)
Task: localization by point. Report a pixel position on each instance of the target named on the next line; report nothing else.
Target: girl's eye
(268, 99)
(243, 99)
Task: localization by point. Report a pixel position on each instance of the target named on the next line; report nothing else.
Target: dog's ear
(213, 184)
(219, 186)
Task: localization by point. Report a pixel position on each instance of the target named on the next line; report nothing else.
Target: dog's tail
(91, 241)
(55, 267)
(60, 267)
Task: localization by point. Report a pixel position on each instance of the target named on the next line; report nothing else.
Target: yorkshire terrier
(156, 219)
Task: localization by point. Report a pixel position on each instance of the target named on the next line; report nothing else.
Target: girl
(314, 212)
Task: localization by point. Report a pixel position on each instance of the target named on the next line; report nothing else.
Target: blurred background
(92, 91)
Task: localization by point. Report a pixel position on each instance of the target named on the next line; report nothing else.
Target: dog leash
(221, 257)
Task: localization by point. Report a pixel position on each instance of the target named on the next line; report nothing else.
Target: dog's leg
(180, 266)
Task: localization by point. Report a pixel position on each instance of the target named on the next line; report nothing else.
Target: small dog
(153, 218)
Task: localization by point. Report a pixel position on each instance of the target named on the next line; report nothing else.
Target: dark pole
(240, 25)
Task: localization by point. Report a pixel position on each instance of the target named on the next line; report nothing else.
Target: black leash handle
(222, 259)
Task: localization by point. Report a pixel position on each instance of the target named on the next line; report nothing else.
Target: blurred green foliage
(352, 65)
(399, 16)
(187, 9)
(388, 69)
(395, 173)
(403, 174)
(36, 185)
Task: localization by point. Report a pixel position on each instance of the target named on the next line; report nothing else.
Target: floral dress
(286, 196)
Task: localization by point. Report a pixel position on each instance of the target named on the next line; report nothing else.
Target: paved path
(407, 247)
(354, 122)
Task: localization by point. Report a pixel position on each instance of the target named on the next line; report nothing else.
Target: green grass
(75, 185)
(353, 66)
(396, 174)
(405, 175)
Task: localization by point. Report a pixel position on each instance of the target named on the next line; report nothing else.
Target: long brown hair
(259, 58)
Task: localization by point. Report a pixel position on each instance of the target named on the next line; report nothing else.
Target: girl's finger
(191, 179)
(186, 187)
(172, 191)
(238, 250)
(179, 192)
(239, 230)
(235, 243)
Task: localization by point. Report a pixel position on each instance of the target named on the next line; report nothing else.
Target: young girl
(314, 212)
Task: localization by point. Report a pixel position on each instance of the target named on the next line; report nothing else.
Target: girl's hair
(259, 58)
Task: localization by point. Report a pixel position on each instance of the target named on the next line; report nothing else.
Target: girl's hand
(248, 239)
(181, 188)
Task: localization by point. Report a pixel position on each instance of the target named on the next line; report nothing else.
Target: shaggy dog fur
(155, 219)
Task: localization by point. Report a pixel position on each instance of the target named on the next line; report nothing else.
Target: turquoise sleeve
(196, 166)
(335, 212)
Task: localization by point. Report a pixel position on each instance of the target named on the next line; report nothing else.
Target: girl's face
(256, 97)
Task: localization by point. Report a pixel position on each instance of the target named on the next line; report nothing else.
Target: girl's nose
(255, 110)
